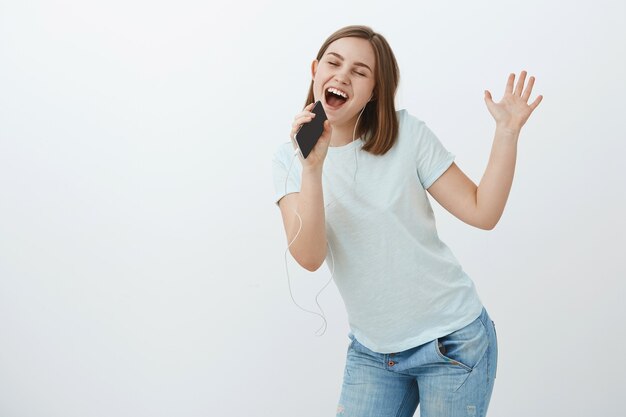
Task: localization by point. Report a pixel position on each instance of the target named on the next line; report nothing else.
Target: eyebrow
(358, 64)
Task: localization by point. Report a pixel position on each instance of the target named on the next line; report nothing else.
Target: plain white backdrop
(142, 268)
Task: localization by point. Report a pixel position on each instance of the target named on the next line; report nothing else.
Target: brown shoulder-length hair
(378, 125)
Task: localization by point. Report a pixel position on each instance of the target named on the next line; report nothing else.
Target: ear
(314, 68)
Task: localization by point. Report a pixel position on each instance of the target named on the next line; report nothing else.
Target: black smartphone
(308, 133)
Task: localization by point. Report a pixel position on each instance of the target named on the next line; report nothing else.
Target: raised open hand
(513, 110)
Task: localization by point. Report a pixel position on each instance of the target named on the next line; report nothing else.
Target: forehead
(354, 50)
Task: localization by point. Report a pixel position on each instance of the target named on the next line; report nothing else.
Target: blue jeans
(451, 376)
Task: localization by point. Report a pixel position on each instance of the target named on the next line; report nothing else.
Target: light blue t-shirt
(401, 285)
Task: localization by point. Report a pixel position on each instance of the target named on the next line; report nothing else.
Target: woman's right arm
(309, 248)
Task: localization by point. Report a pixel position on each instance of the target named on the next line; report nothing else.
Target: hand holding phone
(309, 133)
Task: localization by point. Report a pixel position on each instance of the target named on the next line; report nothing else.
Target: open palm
(513, 110)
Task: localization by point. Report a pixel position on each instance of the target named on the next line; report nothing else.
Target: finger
(520, 84)
(536, 103)
(509, 84)
(295, 126)
(304, 113)
(529, 89)
(302, 119)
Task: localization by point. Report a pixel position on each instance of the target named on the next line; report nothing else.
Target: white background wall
(141, 255)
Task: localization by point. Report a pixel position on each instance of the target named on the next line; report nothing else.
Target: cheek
(318, 87)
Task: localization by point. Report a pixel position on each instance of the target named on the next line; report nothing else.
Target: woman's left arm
(482, 206)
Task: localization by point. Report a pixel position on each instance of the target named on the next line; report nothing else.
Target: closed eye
(336, 65)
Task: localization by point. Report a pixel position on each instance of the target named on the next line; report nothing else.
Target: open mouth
(334, 99)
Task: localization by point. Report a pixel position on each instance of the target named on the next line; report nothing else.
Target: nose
(341, 77)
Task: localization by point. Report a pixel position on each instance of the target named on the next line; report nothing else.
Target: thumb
(488, 97)
(327, 127)
(327, 131)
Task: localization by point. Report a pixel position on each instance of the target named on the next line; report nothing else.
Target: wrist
(315, 170)
(507, 130)
(510, 128)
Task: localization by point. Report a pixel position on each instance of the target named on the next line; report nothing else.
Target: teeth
(338, 92)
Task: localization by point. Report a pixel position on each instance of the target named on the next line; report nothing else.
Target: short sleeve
(282, 161)
(433, 159)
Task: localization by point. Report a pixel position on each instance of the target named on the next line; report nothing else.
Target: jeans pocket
(357, 347)
(465, 347)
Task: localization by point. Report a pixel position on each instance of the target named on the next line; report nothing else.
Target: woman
(419, 332)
